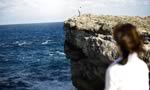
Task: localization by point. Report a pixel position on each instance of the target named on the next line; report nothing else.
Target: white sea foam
(60, 53)
(51, 54)
(46, 42)
(21, 43)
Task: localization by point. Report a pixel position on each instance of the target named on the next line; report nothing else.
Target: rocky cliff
(90, 47)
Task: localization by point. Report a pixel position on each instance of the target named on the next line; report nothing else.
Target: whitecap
(60, 53)
(46, 42)
(16, 42)
(21, 43)
(51, 54)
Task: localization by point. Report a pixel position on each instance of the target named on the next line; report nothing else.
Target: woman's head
(128, 39)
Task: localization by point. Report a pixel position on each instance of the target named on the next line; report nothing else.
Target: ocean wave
(60, 53)
(29, 60)
(21, 43)
(51, 54)
(2, 55)
(46, 42)
(2, 44)
(54, 85)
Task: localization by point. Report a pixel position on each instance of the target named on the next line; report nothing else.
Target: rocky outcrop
(90, 47)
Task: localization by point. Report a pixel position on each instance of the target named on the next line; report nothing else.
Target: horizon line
(55, 21)
(31, 23)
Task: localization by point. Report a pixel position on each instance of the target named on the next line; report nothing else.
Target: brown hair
(128, 39)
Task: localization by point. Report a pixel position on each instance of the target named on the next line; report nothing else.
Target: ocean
(32, 57)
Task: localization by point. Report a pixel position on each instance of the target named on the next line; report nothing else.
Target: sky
(36, 11)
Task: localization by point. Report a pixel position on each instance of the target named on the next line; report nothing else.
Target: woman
(128, 71)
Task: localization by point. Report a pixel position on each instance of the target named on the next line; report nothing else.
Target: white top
(131, 76)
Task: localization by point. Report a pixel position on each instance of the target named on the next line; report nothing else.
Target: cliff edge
(90, 47)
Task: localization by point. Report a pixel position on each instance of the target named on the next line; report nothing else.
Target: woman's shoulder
(115, 62)
(139, 65)
(114, 65)
(143, 65)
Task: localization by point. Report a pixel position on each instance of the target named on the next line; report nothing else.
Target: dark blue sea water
(32, 57)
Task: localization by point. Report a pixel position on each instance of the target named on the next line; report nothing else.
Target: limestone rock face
(90, 47)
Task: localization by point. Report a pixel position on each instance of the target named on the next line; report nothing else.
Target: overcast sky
(34, 11)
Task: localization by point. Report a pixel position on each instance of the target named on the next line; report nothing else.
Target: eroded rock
(90, 47)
